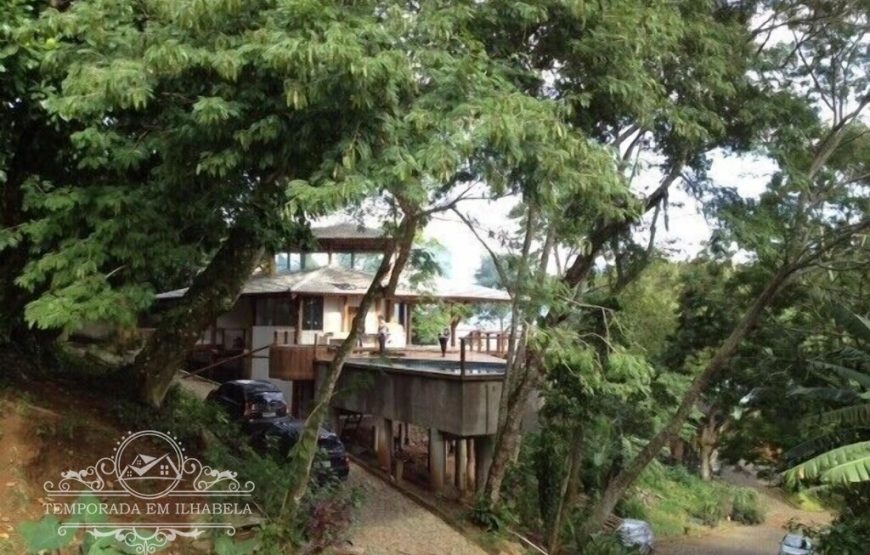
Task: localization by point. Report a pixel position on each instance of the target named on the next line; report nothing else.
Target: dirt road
(731, 539)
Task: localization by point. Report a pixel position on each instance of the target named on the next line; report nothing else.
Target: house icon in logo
(147, 467)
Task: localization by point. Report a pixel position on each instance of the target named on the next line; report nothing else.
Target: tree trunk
(706, 468)
(570, 492)
(508, 435)
(213, 292)
(620, 483)
(305, 450)
(708, 439)
(517, 385)
(507, 443)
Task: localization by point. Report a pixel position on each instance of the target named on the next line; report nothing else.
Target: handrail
(222, 361)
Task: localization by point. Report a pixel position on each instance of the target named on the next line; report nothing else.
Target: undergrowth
(675, 501)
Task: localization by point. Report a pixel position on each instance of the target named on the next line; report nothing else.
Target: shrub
(632, 507)
(327, 516)
(606, 544)
(747, 508)
(712, 510)
(492, 518)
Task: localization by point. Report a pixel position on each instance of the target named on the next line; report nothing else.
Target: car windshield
(793, 540)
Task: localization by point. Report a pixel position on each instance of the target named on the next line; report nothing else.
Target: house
(287, 316)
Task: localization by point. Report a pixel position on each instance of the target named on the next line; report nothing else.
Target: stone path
(388, 523)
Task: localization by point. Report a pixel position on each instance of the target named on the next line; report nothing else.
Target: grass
(676, 502)
(807, 500)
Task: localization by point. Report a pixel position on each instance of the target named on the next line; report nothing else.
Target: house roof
(336, 280)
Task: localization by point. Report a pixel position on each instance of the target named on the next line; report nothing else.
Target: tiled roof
(346, 230)
(336, 280)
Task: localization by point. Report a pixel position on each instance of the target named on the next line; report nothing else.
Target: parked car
(795, 544)
(261, 408)
(638, 534)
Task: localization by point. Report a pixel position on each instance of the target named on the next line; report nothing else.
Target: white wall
(333, 312)
(261, 337)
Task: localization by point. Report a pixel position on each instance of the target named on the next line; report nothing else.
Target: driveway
(388, 523)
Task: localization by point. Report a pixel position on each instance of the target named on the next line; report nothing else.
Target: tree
(812, 214)
(639, 97)
(33, 153)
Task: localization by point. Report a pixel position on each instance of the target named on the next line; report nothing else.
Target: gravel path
(732, 539)
(388, 523)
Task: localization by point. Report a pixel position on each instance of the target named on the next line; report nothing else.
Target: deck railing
(490, 342)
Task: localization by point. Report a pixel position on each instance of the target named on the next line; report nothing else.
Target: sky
(686, 235)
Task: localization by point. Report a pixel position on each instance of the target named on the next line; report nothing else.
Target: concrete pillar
(335, 421)
(470, 484)
(403, 434)
(460, 455)
(437, 459)
(385, 443)
(483, 450)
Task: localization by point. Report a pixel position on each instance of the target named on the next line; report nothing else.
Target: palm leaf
(857, 326)
(826, 442)
(855, 357)
(833, 394)
(856, 415)
(817, 467)
(857, 470)
(843, 372)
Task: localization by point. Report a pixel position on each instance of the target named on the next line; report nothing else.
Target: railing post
(462, 357)
(487, 342)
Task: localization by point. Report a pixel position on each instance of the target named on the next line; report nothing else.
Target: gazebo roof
(349, 237)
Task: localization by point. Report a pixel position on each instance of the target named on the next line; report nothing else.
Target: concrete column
(483, 450)
(403, 434)
(335, 421)
(469, 465)
(460, 463)
(385, 443)
(437, 459)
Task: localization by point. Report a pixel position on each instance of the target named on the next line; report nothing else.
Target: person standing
(383, 333)
(442, 339)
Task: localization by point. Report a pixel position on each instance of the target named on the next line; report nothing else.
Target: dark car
(261, 408)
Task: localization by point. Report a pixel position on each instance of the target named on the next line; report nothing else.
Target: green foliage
(607, 544)
(43, 535)
(327, 515)
(225, 545)
(430, 319)
(632, 507)
(849, 384)
(746, 507)
(845, 537)
(491, 518)
(674, 500)
(711, 511)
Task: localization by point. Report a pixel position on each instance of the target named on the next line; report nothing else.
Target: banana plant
(842, 455)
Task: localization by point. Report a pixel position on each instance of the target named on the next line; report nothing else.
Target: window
(312, 313)
(275, 311)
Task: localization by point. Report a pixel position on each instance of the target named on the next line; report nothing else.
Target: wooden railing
(491, 342)
(292, 362)
(288, 361)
